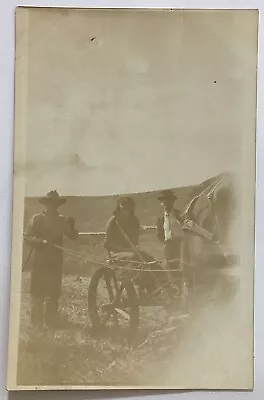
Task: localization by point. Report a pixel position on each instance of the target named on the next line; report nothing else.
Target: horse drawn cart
(117, 293)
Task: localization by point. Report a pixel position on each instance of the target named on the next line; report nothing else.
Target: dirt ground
(164, 345)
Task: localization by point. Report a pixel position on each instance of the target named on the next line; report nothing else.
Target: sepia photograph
(134, 198)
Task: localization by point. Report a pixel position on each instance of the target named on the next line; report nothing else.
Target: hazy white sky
(122, 101)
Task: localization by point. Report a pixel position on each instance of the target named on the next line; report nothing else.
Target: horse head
(213, 206)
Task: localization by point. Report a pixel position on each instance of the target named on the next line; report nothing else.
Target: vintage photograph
(133, 205)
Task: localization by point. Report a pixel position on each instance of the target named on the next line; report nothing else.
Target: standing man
(45, 233)
(171, 233)
(169, 229)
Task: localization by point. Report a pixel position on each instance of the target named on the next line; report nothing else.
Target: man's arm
(69, 229)
(111, 238)
(30, 235)
(109, 235)
(137, 233)
(160, 230)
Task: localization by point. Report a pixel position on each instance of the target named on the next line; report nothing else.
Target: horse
(212, 210)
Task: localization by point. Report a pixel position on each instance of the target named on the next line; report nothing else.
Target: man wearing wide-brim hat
(170, 232)
(169, 228)
(45, 232)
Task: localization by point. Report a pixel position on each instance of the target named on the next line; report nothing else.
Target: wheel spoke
(109, 288)
(118, 301)
(108, 281)
(106, 318)
(119, 294)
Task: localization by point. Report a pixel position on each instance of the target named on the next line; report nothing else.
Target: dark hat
(125, 201)
(167, 195)
(52, 197)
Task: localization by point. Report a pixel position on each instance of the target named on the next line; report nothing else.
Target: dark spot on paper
(76, 162)
(92, 39)
(214, 81)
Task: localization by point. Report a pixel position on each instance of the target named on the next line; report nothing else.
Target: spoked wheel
(113, 304)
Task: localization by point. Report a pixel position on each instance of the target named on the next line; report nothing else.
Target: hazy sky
(122, 101)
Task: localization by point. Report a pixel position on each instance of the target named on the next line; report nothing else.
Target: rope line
(100, 261)
(126, 268)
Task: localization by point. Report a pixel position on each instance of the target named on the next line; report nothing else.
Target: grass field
(73, 356)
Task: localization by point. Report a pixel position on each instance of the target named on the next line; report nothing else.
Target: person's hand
(215, 242)
(211, 197)
(40, 242)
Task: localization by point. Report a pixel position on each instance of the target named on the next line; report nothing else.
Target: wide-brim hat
(167, 195)
(52, 197)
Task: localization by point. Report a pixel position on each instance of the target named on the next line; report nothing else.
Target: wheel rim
(113, 304)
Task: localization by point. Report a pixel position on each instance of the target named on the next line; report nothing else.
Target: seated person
(122, 237)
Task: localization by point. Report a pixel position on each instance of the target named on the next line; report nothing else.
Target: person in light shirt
(169, 228)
